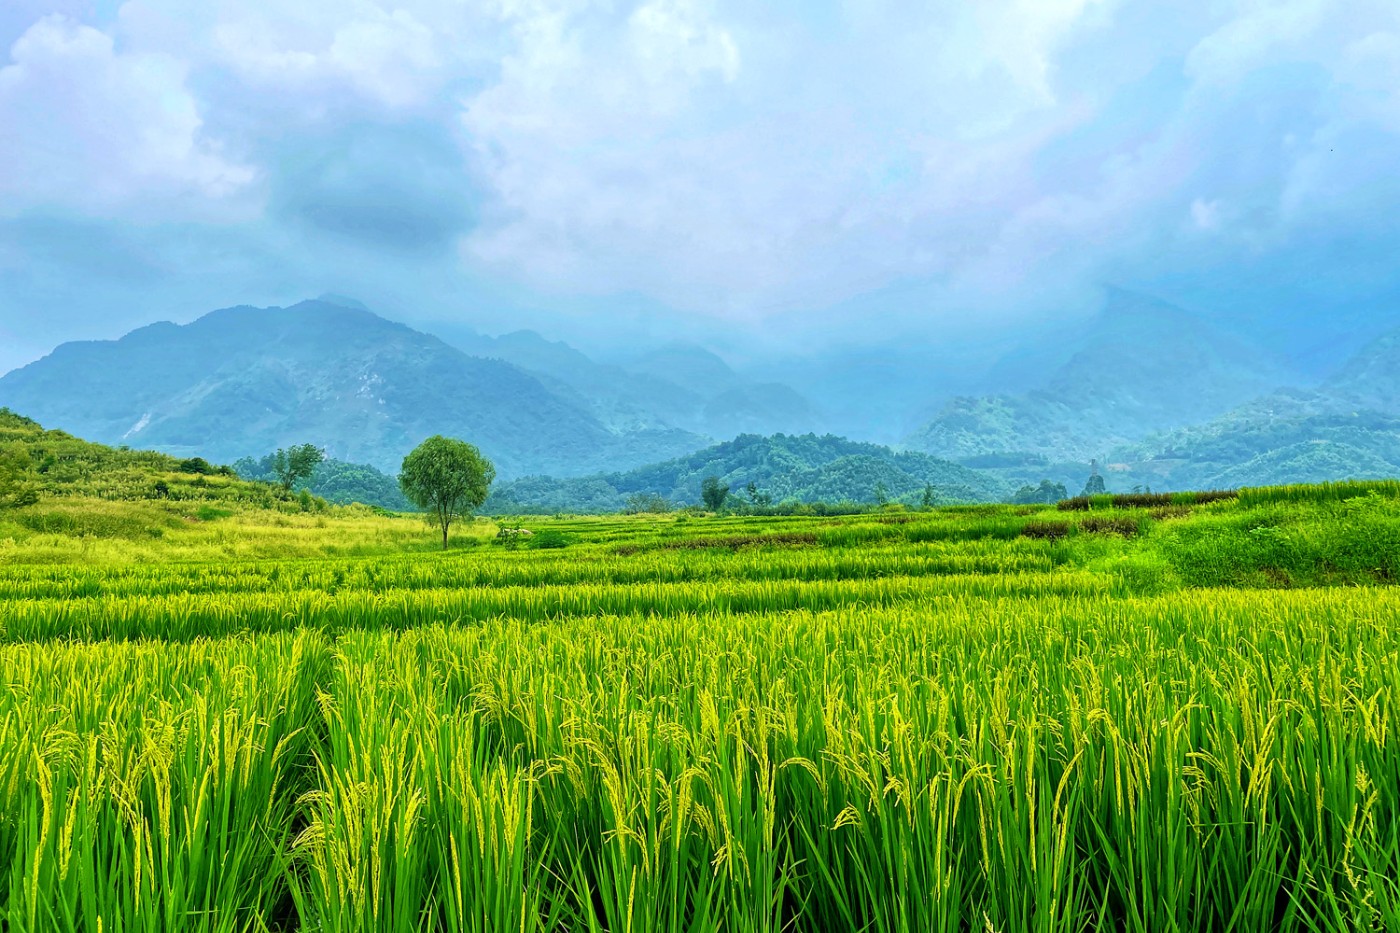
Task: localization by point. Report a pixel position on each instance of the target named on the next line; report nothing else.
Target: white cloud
(395, 53)
(671, 163)
(88, 127)
(738, 158)
(386, 55)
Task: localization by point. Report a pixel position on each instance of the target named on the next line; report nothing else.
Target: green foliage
(1319, 493)
(1046, 493)
(1145, 500)
(784, 471)
(294, 465)
(646, 503)
(18, 485)
(1094, 486)
(338, 482)
(447, 478)
(713, 493)
(900, 721)
(928, 498)
(549, 539)
(38, 464)
(1133, 715)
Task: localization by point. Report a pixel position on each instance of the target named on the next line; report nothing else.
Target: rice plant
(769, 725)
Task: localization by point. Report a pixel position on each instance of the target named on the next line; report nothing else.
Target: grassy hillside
(63, 499)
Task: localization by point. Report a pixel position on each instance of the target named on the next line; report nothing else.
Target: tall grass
(151, 787)
(770, 725)
(1218, 762)
(1320, 492)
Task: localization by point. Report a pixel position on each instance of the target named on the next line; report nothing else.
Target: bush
(548, 539)
(197, 465)
(511, 536)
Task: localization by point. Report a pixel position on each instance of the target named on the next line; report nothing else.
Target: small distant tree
(296, 464)
(646, 503)
(757, 498)
(446, 478)
(929, 496)
(713, 493)
(1094, 486)
(882, 495)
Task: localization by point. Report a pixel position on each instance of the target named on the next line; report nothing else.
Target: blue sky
(784, 174)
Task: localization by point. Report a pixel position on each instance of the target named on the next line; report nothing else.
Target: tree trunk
(444, 535)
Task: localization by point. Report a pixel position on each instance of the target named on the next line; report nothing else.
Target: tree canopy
(446, 478)
(714, 493)
(295, 464)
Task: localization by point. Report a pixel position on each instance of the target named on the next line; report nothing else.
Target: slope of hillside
(1371, 378)
(53, 482)
(243, 381)
(1144, 366)
(787, 468)
(1284, 437)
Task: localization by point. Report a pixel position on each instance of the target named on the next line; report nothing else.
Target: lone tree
(296, 464)
(1095, 486)
(713, 492)
(446, 478)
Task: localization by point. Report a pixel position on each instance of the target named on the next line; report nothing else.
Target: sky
(782, 175)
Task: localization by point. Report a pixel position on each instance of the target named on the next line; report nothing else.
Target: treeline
(783, 471)
(335, 481)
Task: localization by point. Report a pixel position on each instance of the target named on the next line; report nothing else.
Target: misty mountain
(1346, 428)
(1371, 378)
(678, 387)
(242, 381)
(1142, 366)
(788, 468)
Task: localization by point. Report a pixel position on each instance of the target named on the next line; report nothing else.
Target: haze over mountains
(1155, 393)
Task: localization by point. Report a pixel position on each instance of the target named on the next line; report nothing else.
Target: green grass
(1177, 717)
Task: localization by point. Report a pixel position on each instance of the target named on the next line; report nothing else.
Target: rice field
(912, 722)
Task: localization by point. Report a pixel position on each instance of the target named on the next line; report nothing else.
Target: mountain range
(1156, 395)
(244, 381)
(1143, 366)
(678, 387)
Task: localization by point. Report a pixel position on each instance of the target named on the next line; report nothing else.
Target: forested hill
(336, 481)
(781, 468)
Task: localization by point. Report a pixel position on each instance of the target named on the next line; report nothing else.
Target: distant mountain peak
(243, 381)
(331, 298)
(1140, 365)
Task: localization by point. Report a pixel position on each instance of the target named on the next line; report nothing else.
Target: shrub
(548, 539)
(197, 465)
